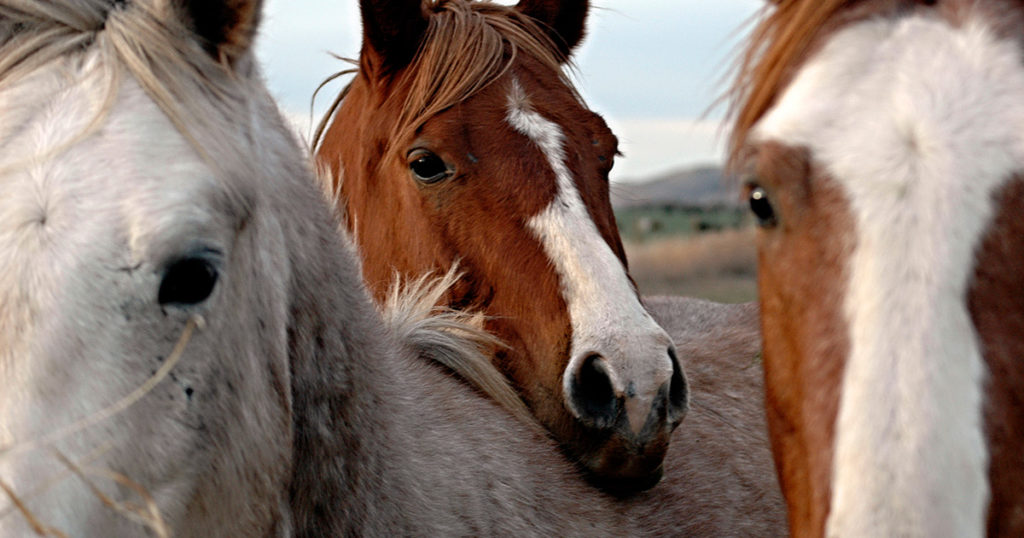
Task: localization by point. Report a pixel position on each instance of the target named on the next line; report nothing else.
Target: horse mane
(783, 35)
(197, 93)
(449, 337)
(467, 46)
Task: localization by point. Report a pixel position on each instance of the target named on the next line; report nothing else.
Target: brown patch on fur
(802, 263)
(996, 302)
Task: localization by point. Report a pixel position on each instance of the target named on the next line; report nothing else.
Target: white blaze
(920, 123)
(606, 315)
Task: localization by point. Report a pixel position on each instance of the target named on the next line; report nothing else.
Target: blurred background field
(680, 229)
(686, 233)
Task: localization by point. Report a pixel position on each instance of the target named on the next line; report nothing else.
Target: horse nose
(600, 397)
(677, 389)
(592, 393)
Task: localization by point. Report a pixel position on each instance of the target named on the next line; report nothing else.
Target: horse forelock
(200, 95)
(467, 46)
(780, 40)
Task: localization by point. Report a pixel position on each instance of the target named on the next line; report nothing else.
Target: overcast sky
(652, 68)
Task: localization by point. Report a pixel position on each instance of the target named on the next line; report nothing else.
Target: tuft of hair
(330, 188)
(466, 47)
(451, 338)
(138, 39)
(786, 31)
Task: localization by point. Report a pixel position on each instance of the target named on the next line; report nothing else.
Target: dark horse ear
(565, 20)
(393, 29)
(226, 28)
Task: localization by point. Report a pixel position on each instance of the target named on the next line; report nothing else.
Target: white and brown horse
(884, 145)
(461, 141)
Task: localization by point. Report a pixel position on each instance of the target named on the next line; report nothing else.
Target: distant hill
(691, 187)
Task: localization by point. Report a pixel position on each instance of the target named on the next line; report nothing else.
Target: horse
(881, 144)
(461, 142)
(442, 90)
(186, 344)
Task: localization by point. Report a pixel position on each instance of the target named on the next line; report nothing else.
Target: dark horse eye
(187, 281)
(762, 208)
(428, 167)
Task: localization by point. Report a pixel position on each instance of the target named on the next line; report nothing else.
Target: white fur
(607, 317)
(55, 258)
(88, 222)
(920, 123)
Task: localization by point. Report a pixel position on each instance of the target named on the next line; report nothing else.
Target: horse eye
(428, 167)
(187, 281)
(762, 208)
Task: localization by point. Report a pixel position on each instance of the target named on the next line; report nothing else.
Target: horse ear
(565, 20)
(393, 29)
(226, 28)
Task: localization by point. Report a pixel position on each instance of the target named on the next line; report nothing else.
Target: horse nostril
(678, 392)
(592, 394)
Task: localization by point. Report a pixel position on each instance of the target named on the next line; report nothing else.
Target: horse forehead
(581, 133)
(904, 89)
(914, 112)
(551, 96)
(66, 177)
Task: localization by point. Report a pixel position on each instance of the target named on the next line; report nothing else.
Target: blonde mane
(467, 46)
(785, 33)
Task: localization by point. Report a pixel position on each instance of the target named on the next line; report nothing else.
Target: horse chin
(616, 458)
(623, 468)
(623, 487)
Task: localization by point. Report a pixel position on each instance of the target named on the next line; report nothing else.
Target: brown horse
(461, 141)
(885, 154)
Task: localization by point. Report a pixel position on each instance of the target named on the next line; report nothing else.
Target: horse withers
(461, 141)
(883, 147)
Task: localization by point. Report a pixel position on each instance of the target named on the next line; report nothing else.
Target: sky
(652, 68)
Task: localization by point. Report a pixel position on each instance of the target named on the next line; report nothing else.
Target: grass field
(718, 265)
(644, 224)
